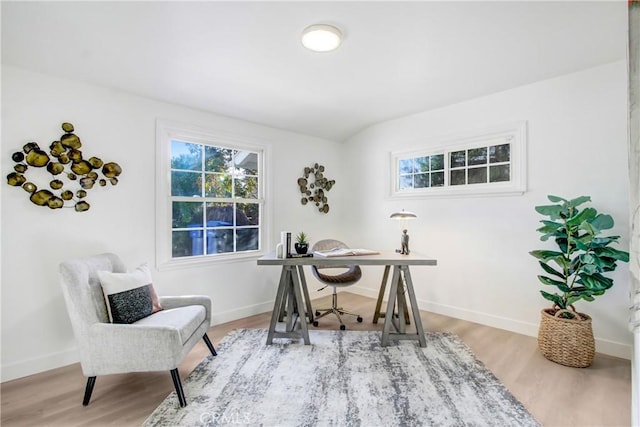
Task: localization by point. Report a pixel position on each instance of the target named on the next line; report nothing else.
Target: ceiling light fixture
(321, 38)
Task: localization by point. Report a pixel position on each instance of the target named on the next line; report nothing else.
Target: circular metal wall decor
(314, 186)
(71, 174)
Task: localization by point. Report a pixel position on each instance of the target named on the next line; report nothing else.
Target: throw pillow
(129, 296)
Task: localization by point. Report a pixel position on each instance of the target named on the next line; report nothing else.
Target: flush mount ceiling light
(321, 38)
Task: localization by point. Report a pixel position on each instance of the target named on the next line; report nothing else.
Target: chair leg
(175, 376)
(91, 381)
(207, 341)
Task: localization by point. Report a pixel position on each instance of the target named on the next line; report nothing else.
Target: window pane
(246, 162)
(457, 177)
(477, 156)
(247, 187)
(421, 180)
(421, 164)
(406, 181)
(500, 153)
(186, 183)
(477, 175)
(247, 239)
(217, 185)
(406, 165)
(458, 159)
(186, 156)
(437, 179)
(219, 241)
(217, 159)
(437, 162)
(499, 173)
(186, 243)
(247, 214)
(187, 214)
(219, 214)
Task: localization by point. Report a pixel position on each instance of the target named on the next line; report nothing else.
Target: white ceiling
(245, 59)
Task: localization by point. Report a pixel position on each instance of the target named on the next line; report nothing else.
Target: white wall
(577, 146)
(36, 334)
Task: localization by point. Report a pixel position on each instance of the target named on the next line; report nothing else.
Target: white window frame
(515, 133)
(166, 131)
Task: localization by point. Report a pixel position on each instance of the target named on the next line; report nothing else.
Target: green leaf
(546, 255)
(555, 199)
(585, 215)
(602, 222)
(551, 270)
(612, 253)
(554, 298)
(578, 201)
(573, 299)
(552, 211)
(549, 281)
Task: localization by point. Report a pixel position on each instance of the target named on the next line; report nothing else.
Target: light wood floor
(556, 395)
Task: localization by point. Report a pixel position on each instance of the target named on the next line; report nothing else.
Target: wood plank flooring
(556, 395)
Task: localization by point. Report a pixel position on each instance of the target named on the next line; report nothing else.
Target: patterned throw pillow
(129, 296)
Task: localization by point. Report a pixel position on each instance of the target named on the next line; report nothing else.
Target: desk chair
(348, 277)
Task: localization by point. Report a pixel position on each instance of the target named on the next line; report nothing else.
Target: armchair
(157, 342)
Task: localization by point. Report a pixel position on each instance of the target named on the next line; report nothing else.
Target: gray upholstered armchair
(157, 342)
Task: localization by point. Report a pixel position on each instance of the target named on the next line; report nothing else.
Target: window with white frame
(484, 162)
(210, 196)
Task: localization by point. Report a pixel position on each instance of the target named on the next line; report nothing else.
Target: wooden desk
(292, 287)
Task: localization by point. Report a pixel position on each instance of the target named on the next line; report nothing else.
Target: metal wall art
(71, 174)
(313, 187)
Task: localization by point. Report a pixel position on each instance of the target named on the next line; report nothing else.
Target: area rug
(344, 378)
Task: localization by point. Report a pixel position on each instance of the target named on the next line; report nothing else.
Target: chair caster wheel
(317, 313)
(315, 323)
(342, 327)
(359, 319)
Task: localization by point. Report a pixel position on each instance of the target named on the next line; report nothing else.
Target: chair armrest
(128, 348)
(168, 302)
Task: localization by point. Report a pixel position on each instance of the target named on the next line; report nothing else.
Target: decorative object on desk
(313, 187)
(285, 384)
(70, 174)
(403, 216)
(302, 244)
(576, 270)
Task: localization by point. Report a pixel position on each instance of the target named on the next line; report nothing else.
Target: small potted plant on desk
(301, 245)
(576, 270)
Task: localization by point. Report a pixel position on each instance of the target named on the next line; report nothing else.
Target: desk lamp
(403, 216)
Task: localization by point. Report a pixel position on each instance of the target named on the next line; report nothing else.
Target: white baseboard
(241, 312)
(36, 365)
(603, 346)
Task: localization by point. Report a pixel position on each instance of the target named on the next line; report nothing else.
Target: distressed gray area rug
(345, 378)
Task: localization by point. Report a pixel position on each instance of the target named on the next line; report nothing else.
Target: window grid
(486, 164)
(216, 205)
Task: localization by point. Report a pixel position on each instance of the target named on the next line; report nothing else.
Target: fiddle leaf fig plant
(576, 269)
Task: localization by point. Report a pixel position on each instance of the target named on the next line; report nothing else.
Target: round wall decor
(71, 174)
(314, 186)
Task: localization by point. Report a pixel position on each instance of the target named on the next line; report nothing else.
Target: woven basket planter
(568, 342)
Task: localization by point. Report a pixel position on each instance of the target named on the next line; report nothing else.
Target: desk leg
(300, 304)
(383, 285)
(388, 318)
(305, 292)
(414, 306)
(277, 305)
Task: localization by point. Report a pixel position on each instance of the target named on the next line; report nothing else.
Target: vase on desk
(301, 248)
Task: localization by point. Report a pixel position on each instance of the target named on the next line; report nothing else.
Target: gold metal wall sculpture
(313, 187)
(71, 174)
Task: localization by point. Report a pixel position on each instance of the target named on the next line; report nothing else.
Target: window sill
(207, 261)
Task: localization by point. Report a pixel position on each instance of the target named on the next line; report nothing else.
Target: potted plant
(301, 244)
(576, 270)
